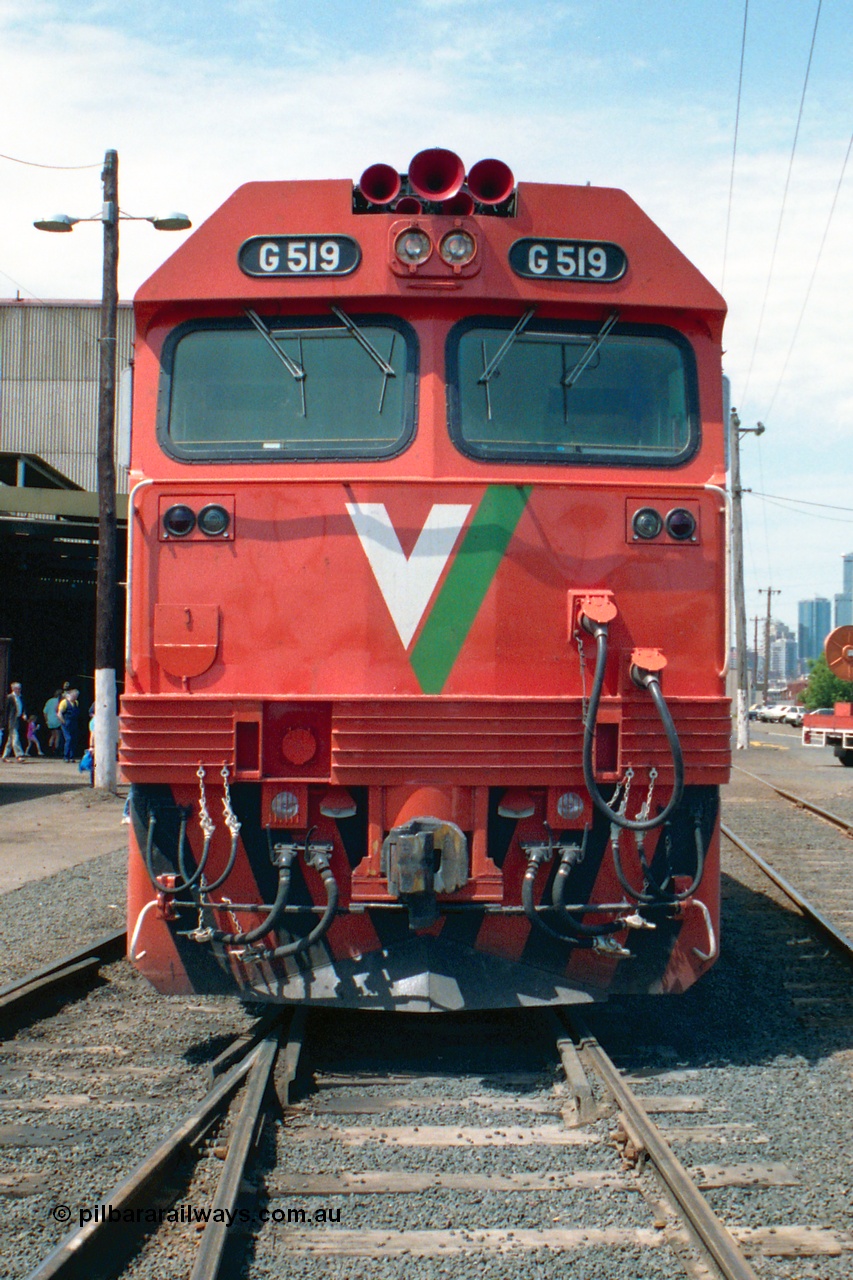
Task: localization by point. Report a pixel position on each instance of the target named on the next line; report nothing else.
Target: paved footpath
(51, 818)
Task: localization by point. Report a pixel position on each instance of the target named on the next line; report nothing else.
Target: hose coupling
(646, 666)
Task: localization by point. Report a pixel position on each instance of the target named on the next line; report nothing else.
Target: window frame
(513, 455)
(255, 452)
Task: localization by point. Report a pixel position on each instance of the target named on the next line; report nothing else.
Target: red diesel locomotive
(426, 642)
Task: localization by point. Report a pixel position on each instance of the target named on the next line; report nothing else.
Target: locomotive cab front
(425, 698)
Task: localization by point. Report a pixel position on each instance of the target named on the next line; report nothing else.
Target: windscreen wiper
(492, 367)
(388, 371)
(295, 370)
(572, 376)
(364, 342)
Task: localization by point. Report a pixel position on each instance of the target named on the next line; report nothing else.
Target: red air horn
(491, 181)
(408, 204)
(380, 184)
(461, 205)
(436, 174)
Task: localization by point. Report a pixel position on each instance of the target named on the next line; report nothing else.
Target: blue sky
(201, 97)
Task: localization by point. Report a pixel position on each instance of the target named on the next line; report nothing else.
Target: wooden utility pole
(106, 735)
(756, 621)
(738, 597)
(770, 593)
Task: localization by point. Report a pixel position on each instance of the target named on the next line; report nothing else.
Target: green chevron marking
(466, 584)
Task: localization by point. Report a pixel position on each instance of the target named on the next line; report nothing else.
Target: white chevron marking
(407, 584)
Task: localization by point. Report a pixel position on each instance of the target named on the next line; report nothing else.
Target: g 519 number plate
(299, 256)
(595, 261)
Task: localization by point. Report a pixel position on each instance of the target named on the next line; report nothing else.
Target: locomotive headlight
(213, 520)
(457, 248)
(413, 246)
(647, 523)
(179, 521)
(681, 525)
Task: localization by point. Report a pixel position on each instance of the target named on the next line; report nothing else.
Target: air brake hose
(650, 681)
(321, 928)
(188, 881)
(319, 860)
(558, 892)
(658, 892)
(270, 921)
(530, 907)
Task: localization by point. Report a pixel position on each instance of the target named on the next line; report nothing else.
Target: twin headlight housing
(648, 523)
(413, 247)
(180, 520)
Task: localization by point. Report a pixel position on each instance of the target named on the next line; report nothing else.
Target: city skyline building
(814, 623)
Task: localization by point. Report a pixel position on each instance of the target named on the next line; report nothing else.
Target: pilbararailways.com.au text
(193, 1215)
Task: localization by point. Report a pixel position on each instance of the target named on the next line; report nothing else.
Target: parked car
(775, 713)
(794, 716)
(754, 710)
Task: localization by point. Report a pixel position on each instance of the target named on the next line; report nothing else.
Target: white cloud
(265, 92)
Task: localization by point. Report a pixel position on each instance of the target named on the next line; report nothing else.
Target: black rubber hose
(188, 881)
(229, 865)
(576, 926)
(697, 877)
(532, 914)
(653, 686)
(659, 895)
(268, 924)
(321, 928)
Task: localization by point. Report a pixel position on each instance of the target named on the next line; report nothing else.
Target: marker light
(516, 804)
(681, 525)
(338, 803)
(457, 248)
(569, 805)
(285, 806)
(214, 521)
(646, 523)
(413, 246)
(179, 521)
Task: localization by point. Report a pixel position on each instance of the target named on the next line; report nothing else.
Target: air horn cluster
(436, 183)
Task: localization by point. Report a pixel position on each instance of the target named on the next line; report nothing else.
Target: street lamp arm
(105, 605)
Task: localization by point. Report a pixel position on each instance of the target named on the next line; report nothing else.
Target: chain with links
(647, 804)
(625, 788)
(582, 658)
(231, 820)
(205, 821)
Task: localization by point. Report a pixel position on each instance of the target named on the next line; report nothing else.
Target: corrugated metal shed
(49, 383)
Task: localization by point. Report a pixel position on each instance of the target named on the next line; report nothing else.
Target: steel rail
(88, 1250)
(80, 964)
(833, 818)
(211, 1252)
(811, 912)
(714, 1236)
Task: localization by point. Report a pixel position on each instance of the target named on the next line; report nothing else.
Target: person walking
(12, 722)
(68, 711)
(33, 727)
(52, 721)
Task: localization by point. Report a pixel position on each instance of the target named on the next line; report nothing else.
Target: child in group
(33, 727)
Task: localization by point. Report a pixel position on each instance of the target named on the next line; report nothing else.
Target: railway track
(502, 1166)
(824, 917)
(60, 976)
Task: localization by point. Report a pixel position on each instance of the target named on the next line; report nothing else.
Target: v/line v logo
(408, 583)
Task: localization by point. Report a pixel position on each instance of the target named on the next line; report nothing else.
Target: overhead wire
(814, 514)
(734, 145)
(804, 502)
(784, 203)
(33, 164)
(812, 280)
